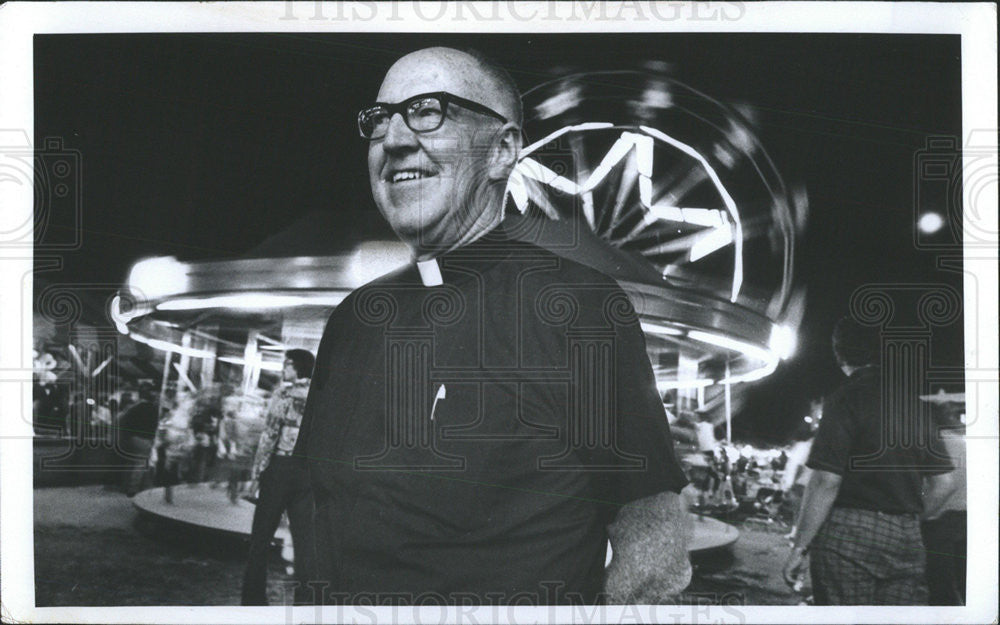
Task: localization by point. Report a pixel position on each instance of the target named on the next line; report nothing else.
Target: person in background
(173, 446)
(283, 484)
(859, 522)
(238, 436)
(136, 431)
(205, 428)
(945, 521)
(796, 474)
(49, 401)
(127, 399)
(102, 418)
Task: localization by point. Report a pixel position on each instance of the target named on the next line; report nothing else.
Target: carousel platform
(710, 534)
(198, 506)
(201, 507)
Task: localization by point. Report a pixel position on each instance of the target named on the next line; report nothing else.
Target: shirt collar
(865, 370)
(494, 246)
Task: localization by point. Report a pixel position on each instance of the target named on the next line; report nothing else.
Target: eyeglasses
(422, 113)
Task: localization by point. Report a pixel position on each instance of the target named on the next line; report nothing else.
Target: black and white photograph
(499, 312)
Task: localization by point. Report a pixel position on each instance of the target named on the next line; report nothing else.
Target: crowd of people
(184, 435)
(209, 435)
(727, 478)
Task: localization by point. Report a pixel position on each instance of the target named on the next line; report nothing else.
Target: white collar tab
(430, 272)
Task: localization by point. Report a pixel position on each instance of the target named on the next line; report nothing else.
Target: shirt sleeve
(831, 450)
(320, 374)
(644, 446)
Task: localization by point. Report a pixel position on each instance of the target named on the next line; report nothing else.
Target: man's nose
(398, 135)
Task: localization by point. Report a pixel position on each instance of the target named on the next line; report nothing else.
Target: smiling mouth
(406, 175)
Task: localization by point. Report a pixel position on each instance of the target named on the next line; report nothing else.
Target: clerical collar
(864, 370)
(489, 243)
(430, 272)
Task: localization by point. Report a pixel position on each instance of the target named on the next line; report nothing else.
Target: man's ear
(505, 151)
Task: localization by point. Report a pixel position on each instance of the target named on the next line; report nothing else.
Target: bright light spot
(783, 341)
(655, 328)
(807, 419)
(711, 241)
(120, 319)
(657, 96)
(155, 278)
(559, 103)
(930, 223)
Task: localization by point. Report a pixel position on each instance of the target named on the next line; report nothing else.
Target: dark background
(202, 146)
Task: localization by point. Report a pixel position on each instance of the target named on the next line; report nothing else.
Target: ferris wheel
(671, 192)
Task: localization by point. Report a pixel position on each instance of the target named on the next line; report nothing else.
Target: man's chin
(424, 243)
(421, 236)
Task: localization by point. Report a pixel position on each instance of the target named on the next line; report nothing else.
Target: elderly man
(482, 421)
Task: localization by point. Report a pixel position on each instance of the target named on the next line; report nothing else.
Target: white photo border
(975, 22)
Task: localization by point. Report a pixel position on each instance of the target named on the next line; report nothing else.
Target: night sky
(201, 146)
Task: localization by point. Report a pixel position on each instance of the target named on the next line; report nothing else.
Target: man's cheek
(471, 185)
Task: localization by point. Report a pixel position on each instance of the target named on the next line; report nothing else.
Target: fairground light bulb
(930, 223)
(783, 341)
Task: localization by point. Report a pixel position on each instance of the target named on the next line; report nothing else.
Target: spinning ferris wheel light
(670, 192)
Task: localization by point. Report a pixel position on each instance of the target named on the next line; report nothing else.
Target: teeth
(407, 175)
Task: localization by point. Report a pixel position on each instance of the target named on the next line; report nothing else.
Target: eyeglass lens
(421, 115)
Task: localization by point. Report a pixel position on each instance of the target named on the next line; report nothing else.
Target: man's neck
(487, 221)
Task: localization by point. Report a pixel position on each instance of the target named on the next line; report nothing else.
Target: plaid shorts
(863, 557)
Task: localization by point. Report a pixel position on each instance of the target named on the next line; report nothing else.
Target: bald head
(442, 188)
(470, 75)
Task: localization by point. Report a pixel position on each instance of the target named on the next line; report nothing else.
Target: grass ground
(93, 549)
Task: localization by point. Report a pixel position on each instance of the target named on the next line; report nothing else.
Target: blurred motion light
(724, 228)
(266, 365)
(166, 346)
(680, 202)
(250, 301)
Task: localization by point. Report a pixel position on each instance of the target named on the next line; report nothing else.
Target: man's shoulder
(401, 276)
(405, 276)
(858, 391)
(862, 383)
(564, 268)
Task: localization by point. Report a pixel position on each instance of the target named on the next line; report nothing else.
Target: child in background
(173, 445)
(241, 428)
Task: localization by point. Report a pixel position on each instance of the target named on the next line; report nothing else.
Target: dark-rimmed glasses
(424, 112)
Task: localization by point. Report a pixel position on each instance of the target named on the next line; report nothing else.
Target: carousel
(632, 173)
